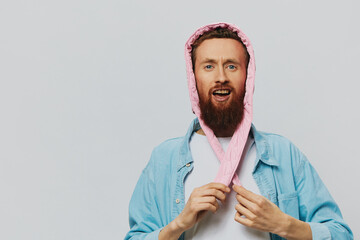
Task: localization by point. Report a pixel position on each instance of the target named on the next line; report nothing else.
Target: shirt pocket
(289, 203)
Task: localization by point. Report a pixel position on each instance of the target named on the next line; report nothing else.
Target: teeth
(223, 91)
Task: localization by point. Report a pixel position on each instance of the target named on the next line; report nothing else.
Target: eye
(208, 66)
(232, 67)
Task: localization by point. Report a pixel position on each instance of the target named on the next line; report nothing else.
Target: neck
(227, 133)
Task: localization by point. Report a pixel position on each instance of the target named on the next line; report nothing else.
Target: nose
(222, 77)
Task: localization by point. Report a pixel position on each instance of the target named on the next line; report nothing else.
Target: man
(264, 187)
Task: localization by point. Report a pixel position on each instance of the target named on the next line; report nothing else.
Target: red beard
(222, 117)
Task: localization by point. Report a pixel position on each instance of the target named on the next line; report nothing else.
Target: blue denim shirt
(281, 171)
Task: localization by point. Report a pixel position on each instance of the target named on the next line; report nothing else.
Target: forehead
(220, 48)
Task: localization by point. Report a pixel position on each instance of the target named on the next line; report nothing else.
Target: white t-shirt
(220, 225)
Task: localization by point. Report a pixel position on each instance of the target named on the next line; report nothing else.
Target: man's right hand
(201, 200)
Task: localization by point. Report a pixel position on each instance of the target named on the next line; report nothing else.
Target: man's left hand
(258, 212)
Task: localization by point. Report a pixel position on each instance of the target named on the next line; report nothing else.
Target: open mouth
(221, 95)
(221, 92)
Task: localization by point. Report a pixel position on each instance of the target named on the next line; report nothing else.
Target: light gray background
(88, 88)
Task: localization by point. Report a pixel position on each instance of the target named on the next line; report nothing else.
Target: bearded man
(224, 178)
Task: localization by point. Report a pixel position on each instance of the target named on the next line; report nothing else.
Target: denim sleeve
(317, 207)
(144, 219)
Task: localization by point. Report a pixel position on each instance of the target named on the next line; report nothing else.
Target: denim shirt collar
(263, 150)
(185, 153)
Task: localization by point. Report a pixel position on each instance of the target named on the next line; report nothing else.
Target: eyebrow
(210, 60)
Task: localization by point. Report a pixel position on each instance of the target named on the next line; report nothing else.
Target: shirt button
(188, 164)
(177, 201)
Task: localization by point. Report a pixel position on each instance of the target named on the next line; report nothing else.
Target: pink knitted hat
(230, 159)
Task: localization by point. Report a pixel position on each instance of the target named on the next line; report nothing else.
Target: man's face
(220, 73)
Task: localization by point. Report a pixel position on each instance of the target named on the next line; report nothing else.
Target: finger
(243, 220)
(244, 211)
(211, 200)
(206, 207)
(204, 200)
(246, 193)
(246, 203)
(216, 193)
(218, 186)
(209, 188)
